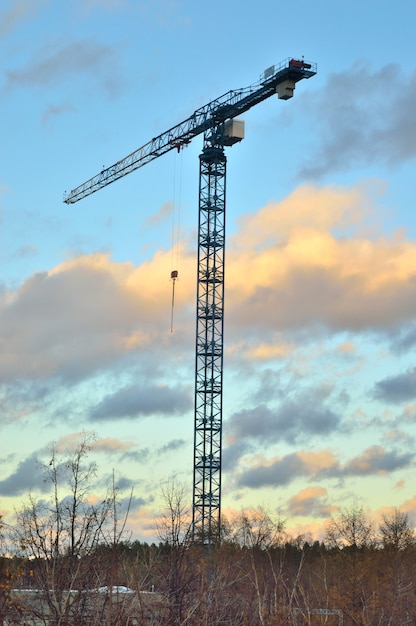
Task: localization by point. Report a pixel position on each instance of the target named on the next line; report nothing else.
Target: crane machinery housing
(216, 121)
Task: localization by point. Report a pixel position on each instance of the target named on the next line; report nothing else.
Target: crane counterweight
(285, 89)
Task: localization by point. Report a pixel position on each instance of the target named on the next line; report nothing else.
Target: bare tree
(352, 537)
(398, 556)
(59, 536)
(351, 529)
(395, 530)
(174, 523)
(176, 569)
(272, 589)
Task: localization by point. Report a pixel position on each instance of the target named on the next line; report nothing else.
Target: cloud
(313, 262)
(112, 445)
(69, 443)
(347, 348)
(260, 351)
(141, 455)
(376, 460)
(25, 252)
(398, 436)
(24, 479)
(318, 465)
(308, 263)
(322, 208)
(32, 473)
(59, 63)
(232, 454)
(359, 125)
(282, 471)
(172, 446)
(397, 389)
(76, 319)
(140, 401)
(292, 421)
(134, 503)
(55, 110)
(164, 214)
(404, 338)
(18, 398)
(409, 506)
(310, 502)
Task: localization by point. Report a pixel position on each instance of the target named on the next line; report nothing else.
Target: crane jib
(214, 113)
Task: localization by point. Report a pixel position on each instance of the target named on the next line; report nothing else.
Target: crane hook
(173, 277)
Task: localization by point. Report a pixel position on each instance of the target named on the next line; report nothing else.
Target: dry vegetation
(68, 563)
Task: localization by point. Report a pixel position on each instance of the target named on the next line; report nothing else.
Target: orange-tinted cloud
(306, 262)
(302, 263)
(284, 470)
(325, 464)
(306, 501)
(81, 316)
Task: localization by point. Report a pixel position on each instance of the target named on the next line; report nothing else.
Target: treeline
(67, 562)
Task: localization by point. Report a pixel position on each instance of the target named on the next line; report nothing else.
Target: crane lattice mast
(216, 121)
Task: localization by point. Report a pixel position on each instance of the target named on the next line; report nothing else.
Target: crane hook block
(174, 274)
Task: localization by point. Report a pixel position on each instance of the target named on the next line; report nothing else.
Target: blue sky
(320, 327)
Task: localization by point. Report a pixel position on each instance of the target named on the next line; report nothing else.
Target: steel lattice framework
(212, 121)
(209, 344)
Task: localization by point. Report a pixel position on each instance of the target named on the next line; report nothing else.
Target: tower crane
(220, 128)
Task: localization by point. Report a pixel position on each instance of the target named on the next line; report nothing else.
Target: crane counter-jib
(279, 79)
